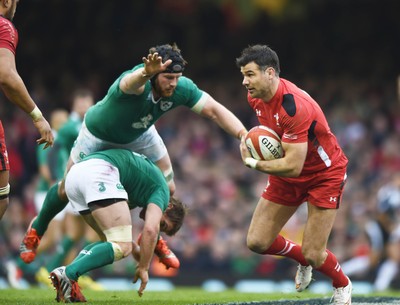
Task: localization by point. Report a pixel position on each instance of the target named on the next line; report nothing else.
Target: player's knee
(255, 244)
(121, 240)
(121, 249)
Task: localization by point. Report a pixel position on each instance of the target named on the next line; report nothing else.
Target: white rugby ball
(264, 143)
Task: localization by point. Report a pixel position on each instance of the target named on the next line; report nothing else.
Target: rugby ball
(264, 143)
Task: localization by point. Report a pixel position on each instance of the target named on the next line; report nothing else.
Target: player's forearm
(229, 122)
(133, 82)
(15, 90)
(278, 167)
(147, 245)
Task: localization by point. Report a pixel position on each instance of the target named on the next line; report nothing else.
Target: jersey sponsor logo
(102, 187)
(165, 105)
(144, 122)
(82, 155)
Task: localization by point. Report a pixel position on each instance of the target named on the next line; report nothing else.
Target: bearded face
(165, 84)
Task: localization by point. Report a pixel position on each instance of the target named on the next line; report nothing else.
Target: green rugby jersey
(121, 118)
(141, 178)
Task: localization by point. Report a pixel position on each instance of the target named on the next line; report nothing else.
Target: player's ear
(270, 72)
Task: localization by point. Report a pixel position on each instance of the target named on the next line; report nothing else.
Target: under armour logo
(258, 112)
(276, 116)
(332, 199)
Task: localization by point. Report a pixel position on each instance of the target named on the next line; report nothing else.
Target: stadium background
(344, 53)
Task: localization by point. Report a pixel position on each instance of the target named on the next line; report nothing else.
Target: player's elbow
(292, 169)
(295, 172)
(151, 231)
(5, 80)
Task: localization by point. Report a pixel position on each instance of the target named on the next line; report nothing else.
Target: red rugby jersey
(297, 118)
(8, 35)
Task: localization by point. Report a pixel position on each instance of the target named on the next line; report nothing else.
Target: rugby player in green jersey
(104, 187)
(125, 118)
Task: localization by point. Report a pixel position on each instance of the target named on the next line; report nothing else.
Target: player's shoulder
(7, 28)
(293, 97)
(185, 82)
(8, 33)
(186, 90)
(4, 22)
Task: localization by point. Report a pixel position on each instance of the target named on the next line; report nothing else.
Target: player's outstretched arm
(14, 88)
(221, 115)
(133, 83)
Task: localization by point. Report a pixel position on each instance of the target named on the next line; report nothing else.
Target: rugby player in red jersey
(312, 170)
(14, 89)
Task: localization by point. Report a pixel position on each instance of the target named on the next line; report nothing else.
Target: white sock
(386, 273)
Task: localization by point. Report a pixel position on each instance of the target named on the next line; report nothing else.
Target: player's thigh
(268, 220)
(92, 224)
(114, 215)
(318, 228)
(4, 178)
(61, 184)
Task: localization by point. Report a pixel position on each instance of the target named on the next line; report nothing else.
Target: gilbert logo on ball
(264, 143)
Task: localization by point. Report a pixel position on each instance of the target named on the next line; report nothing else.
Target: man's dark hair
(176, 212)
(262, 55)
(170, 51)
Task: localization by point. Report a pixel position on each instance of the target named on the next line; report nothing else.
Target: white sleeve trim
(198, 107)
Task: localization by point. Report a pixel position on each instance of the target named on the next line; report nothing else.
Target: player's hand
(153, 64)
(247, 158)
(244, 151)
(46, 135)
(143, 275)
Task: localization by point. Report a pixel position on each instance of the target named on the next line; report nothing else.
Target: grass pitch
(189, 296)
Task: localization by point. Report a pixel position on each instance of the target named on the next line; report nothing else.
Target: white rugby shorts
(149, 144)
(93, 180)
